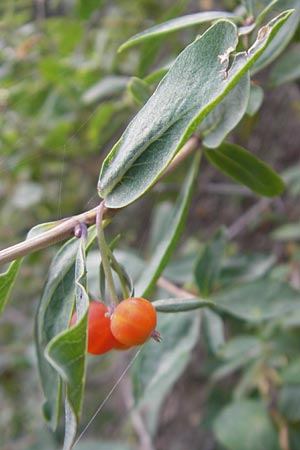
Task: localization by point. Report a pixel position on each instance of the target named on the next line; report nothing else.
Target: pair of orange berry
(132, 322)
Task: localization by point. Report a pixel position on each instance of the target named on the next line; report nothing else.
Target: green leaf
(86, 8)
(255, 100)
(139, 90)
(258, 300)
(289, 400)
(250, 7)
(7, 281)
(246, 169)
(200, 78)
(226, 115)
(291, 373)
(180, 269)
(208, 266)
(173, 305)
(228, 368)
(53, 317)
(242, 345)
(178, 23)
(287, 232)
(284, 35)
(245, 425)
(160, 365)
(105, 88)
(287, 68)
(42, 228)
(169, 239)
(66, 352)
(246, 267)
(213, 331)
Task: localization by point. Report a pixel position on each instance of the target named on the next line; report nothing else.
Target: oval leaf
(255, 100)
(215, 127)
(176, 24)
(245, 425)
(245, 168)
(195, 84)
(284, 36)
(259, 300)
(213, 331)
(139, 90)
(173, 305)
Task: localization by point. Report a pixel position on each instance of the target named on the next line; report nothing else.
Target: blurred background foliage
(66, 95)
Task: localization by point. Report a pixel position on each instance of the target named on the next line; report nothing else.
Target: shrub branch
(65, 228)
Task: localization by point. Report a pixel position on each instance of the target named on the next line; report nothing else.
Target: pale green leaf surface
(247, 267)
(250, 7)
(287, 232)
(52, 319)
(240, 345)
(226, 115)
(107, 87)
(160, 365)
(180, 269)
(173, 305)
(287, 68)
(53, 316)
(284, 35)
(66, 352)
(291, 373)
(42, 228)
(7, 281)
(194, 85)
(139, 90)
(169, 239)
(258, 300)
(208, 265)
(228, 368)
(245, 168)
(245, 425)
(255, 100)
(178, 23)
(213, 330)
(289, 400)
(71, 425)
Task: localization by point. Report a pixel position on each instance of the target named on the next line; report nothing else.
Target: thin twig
(173, 289)
(251, 214)
(65, 227)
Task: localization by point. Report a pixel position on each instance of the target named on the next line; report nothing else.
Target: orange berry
(133, 321)
(100, 337)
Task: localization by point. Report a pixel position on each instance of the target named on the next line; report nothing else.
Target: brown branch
(65, 227)
(170, 287)
(251, 214)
